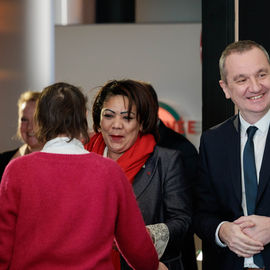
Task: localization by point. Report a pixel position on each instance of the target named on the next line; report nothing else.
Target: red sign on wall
(174, 121)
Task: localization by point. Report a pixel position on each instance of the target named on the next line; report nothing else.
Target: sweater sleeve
(131, 235)
(9, 201)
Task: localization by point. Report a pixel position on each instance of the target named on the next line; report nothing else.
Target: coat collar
(236, 123)
(265, 171)
(235, 158)
(145, 175)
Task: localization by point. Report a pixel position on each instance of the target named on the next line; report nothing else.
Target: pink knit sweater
(61, 211)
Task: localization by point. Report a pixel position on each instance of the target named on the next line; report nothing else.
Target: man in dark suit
(173, 140)
(234, 235)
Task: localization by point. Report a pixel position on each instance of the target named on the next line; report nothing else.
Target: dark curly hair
(138, 95)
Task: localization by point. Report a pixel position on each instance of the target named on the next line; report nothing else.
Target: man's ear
(225, 89)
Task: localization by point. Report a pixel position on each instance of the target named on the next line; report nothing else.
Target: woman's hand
(162, 266)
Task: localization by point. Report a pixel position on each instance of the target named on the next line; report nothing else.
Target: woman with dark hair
(61, 208)
(125, 122)
(25, 130)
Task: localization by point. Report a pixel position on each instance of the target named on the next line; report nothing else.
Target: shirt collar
(262, 124)
(63, 145)
(105, 153)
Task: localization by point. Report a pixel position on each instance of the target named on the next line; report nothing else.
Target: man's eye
(261, 75)
(241, 80)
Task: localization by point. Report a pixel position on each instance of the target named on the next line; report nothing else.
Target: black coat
(163, 195)
(173, 140)
(219, 192)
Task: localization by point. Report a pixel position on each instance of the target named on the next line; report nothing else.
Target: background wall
(27, 60)
(27, 47)
(166, 55)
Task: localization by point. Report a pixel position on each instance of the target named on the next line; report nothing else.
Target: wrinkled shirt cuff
(218, 241)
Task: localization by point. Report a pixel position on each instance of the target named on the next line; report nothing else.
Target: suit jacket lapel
(264, 171)
(144, 177)
(235, 159)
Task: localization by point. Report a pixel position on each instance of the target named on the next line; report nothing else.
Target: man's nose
(255, 85)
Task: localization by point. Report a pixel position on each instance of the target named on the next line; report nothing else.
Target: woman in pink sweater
(61, 208)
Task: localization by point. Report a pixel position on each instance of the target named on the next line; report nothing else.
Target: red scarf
(131, 162)
(133, 159)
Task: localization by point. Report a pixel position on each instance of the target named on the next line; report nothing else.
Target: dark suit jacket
(219, 192)
(173, 140)
(163, 196)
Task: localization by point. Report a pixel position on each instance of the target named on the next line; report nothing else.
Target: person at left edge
(25, 130)
(61, 208)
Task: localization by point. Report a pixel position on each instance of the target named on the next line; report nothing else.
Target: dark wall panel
(116, 11)
(217, 32)
(254, 21)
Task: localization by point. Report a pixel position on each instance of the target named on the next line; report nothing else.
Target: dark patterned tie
(250, 177)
